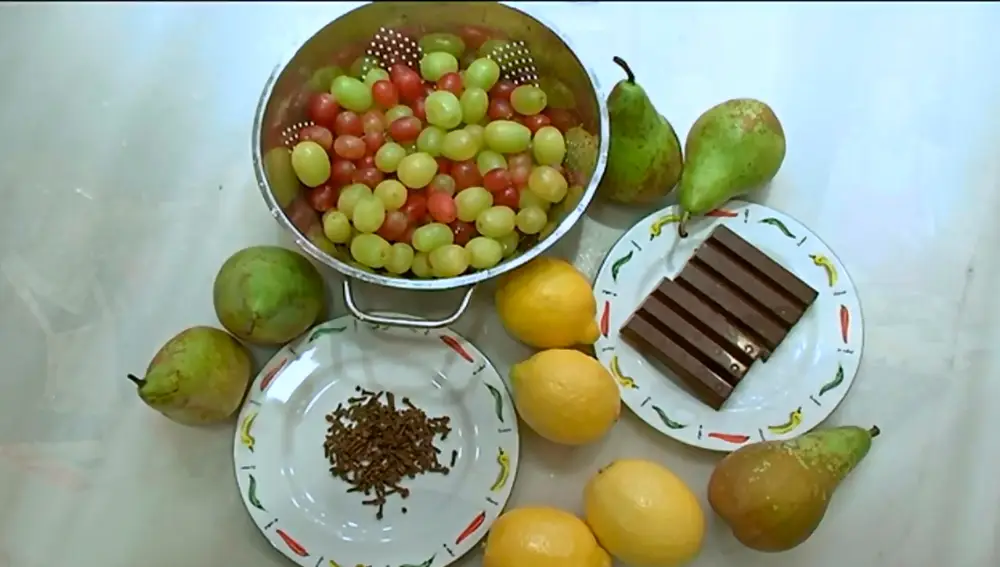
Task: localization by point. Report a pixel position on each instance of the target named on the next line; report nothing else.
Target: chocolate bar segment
(764, 266)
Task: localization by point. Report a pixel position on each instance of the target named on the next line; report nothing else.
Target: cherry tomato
(323, 109)
(369, 176)
(318, 134)
(507, 197)
(442, 207)
(385, 94)
(324, 197)
(451, 82)
(562, 119)
(407, 81)
(419, 107)
(348, 124)
(473, 36)
(499, 109)
(373, 121)
(463, 231)
(497, 180)
(373, 141)
(405, 129)
(536, 121)
(502, 89)
(466, 174)
(367, 161)
(444, 165)
(415, 206)
(349, 147)
(341, 171)
(394, 225)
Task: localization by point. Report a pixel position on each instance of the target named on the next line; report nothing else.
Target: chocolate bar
(729, 306)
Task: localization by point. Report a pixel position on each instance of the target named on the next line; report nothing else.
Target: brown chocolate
(778, 276)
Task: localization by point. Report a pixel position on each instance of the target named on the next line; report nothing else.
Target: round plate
(802, 381)
(307, 513)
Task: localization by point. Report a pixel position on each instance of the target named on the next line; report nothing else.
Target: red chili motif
(476, 523)
(453, 345)
(605, 318)
(730, 437)
(721, 213)
(296, 548)
(845, 322)
(271, 374)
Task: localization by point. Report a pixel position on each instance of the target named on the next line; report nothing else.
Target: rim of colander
(432, 284)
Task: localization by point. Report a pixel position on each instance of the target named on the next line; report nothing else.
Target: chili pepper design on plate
(474, 525)
(454, 345)
(325, 331)
(734, 438)
(427, 563)
(618, 264)
(252, 495)
(625, 381)
(838, 378)
(269, 377)
(794, 420)
(605, 319)
(825, 263)
(504, 461)
(656, 229)
(778, 225)
(845, 323)
(245, 437)
(724, 213)
(497, 401)
(666, 420)
(296, 548)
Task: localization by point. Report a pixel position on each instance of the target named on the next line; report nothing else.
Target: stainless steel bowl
(282, 104)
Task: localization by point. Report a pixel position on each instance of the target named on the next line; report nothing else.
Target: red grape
(520, 160)
(348, 124)
(536, 121)
(349, 147)
(318, 134)
(369, 176)
(373, 141)
(502, 89)
(463, 231)
(407, 236)
(473, 36)
(367, 161)
(341, 171)
(500, 109)
(497, 180)
(442, 183)
(373, 121)
(385, 94)
(415, 206)
(444, 165)
(450, 82)
(507, 197)
(407, 82)
(562, 119)
(519, 176)
(442, 207)
(324, 197)
(405, 129)
(394, 225)
(428, 89)
(419, 107)
(466, 174)
(323, 109)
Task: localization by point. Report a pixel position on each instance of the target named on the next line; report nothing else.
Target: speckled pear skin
(733, 147)
(644, 153)
(774, 494)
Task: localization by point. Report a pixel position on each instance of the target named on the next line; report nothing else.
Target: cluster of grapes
(433, 172)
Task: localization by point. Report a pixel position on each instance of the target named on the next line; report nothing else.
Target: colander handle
(401, 321)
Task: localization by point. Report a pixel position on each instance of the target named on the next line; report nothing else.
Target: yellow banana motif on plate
(656, 229)
(825, 263)
(794, 420)
(616, 371)
(504, 461)
(245, 437)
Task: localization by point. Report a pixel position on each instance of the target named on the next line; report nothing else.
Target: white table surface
(126, 179)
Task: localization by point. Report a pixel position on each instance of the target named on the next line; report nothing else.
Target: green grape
(392, 193)
(375, 75)
(370, 250)
(322, 78)
(336, 226)
(319, 240)
(400, 258)
(447, 42)
(416, 170)
(351, 93)
(421, 266)
(363, 64)
(449, 261)
(484, 253)
(281, 175)
(311, 163)
(477, 133)
(530, 220)
(509, 243)
(488, 160)
(459, 145)
(350, 196)
(387, 157)
(492, 45)
(430, 140)
(443, 109)
(434, 65)
(507, 137)
(410, 147)
(368, 214)
(557, 93)
(528, 100)
(474, 102)
(471, 202)
(547, 183)
(431, 236)
(482, 73)
(496, 222)
(551, 226)
(397, 112)
(573, 196)
(548, 146)
(529, 199)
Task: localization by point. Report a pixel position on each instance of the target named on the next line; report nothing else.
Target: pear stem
(874, 431)
(138, 381)
(629, 75)
(682, 225)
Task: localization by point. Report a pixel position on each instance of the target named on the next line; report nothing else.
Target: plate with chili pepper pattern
(800, 384)
(309, 514)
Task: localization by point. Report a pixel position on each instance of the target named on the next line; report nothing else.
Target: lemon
(542, 537)
(547, 303)
(644, 515)
(565, 396)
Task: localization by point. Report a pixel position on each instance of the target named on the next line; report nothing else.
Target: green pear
(732, 148)
(198, 377)
(644, 154)
(774, 494)
(268, 295)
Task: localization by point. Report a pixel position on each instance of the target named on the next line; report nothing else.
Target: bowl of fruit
(429, 146)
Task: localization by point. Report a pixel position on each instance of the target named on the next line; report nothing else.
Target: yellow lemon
(644, 515)
(542, 537)
(547, 303)
(565, 396)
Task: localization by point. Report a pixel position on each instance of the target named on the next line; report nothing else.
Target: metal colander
(527, 51)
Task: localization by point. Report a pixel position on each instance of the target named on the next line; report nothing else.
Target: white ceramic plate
(307, 513)
(803, 380)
